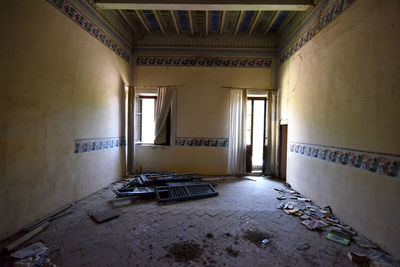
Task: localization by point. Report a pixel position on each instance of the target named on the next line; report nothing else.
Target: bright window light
(148, 124)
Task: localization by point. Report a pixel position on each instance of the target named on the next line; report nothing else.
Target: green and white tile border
(381, 164)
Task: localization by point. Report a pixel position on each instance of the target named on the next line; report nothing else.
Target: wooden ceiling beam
(175, 21)
(126, 20)
(190, 22)
(239, 22)
(221, 27)
(206, 22)
(159, 21)
(253, 25)
(143, 22)
(277, 13)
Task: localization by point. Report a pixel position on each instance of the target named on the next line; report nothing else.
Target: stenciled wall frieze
(377, 163)
(213, 142)
(79, 18)
(204, 62)
(325, 15)
(96, 144)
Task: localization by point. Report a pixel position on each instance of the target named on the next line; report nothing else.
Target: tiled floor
(221, 231)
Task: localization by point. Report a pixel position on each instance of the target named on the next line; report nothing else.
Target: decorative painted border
(96, 144)
(326, 17)
(204, 62)
(382, 164)
(71, 11)
(214, 142)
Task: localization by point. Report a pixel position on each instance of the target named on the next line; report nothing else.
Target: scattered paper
(31, 250)
(364, 242)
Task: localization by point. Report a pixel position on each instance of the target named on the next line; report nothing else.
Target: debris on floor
(36, 254)
(358, 258)
(322, 219)
(339, 237)
(372, 258)
(27, 236)
(166, 187)
(265, 241)
(29, 251)
(303, 246)
(40, 259)
(364, 242)
(184, 192)
(104, 216)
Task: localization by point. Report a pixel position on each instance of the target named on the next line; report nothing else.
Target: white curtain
(166, 101)
(237, 131)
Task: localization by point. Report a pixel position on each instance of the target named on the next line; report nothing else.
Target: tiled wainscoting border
(382, 164)
(214, 142)
(95, 144)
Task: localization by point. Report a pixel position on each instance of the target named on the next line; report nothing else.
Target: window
(152, 127)
(146, 117)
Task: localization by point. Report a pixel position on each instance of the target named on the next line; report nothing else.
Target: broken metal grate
(184, 192)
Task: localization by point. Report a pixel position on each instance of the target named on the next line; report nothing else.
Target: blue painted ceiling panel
(151, 19)
(214, 20)
(279, 21)
(246, 21)
(183, 20)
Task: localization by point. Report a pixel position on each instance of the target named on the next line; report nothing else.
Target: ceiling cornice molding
(212, 41)
(320, 17)
(232, 5)
(204, 45)
(251, 52)
(94, 27)
(98, 16)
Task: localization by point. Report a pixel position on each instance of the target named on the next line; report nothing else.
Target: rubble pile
(315, 218)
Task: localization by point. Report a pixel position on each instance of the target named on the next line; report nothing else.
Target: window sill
(150, 144)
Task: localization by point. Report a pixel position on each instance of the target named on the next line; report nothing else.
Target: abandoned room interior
(200, 133)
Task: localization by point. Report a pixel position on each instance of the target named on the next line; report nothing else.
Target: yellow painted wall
(57, 84)
(202, 111)
(342, 89)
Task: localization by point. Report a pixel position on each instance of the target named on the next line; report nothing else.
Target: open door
(256, 149)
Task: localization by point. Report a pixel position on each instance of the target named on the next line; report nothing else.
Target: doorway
(256, 134)
(282, 151)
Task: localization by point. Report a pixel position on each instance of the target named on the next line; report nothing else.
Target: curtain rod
(155, 86)
(230, 87)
